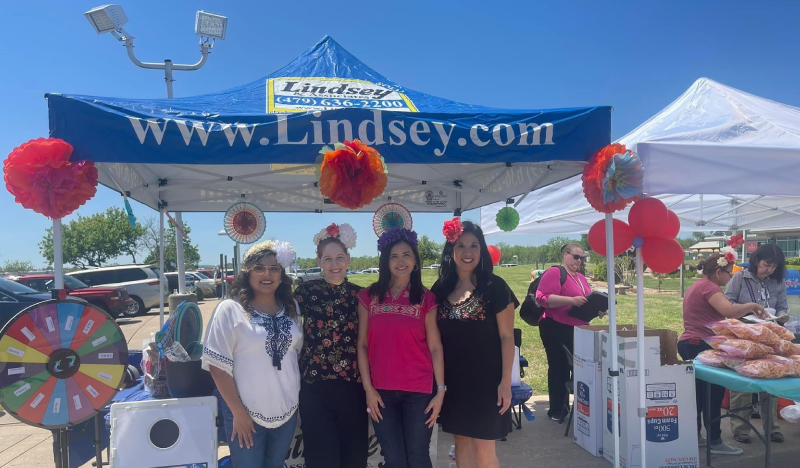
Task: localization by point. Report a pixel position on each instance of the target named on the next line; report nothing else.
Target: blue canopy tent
(259, 142)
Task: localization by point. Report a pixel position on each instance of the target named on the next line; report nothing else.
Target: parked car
(435, 266)
(172, 282)
(207, 272)
(508, 264)
(112, 300)
(353, 272)
(295, 279)
(310, 274)
(14, 297)
(204, 285)
(141, 281)
(369, 271)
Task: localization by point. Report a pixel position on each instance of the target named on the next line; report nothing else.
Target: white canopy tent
(712, 140)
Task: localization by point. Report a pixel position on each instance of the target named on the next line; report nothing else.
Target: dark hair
(710, 266)
(329, 240)
(381, 287)
(448, 277)
(242, 293)
(772, 255)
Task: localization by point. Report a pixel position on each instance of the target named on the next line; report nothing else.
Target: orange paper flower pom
(42, 178)
(352, 175)
(593, 173)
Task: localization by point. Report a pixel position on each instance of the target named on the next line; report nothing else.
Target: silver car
(141, 281)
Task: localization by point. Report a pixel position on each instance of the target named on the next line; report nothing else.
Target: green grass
(661, 311)
(667, 284)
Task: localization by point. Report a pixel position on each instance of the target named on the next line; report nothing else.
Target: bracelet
(442, 387)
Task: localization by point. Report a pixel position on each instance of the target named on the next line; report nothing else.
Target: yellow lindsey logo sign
(305, 94)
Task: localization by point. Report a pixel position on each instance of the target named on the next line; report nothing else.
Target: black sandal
(776, 437)
(742, 438)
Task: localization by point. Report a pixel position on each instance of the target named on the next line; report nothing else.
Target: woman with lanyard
(251, 349)
(476, 320)
(705, 303)
(400, 353)
(332, 399)
(763, 283)
(557, 294)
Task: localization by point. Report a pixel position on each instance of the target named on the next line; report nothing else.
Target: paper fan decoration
(507, 219)
(245, 223)
(391, 216)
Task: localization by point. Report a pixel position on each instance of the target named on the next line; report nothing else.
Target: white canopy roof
(712, 140)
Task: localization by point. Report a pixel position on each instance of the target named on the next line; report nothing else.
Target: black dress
(473, 363)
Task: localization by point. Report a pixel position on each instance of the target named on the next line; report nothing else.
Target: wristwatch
(442, 387)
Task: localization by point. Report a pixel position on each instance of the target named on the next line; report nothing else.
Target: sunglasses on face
(264, 269)
(576, 256)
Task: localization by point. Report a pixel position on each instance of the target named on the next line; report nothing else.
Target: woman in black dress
(476, 321)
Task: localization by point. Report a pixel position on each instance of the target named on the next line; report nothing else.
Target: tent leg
(161, 268)
(613, 371)
(683, 278)
(179, 251)
(58, 255)
(640, 367)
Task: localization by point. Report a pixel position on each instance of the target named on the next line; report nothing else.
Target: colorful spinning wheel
(245, 223)
(391, 216)
(60, 362)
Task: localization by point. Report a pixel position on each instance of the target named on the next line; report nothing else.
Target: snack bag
(755, 333)
(710, 357)
(786, 348)
(745, 349)
(764, 369)
(779, 330)
(715, 341)
(793, 366)
(731, 362)
(721, 329)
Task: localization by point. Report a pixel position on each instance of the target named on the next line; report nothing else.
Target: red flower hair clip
(332, 230)
(452, 230)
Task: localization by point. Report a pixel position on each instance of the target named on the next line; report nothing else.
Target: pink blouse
(551, 284)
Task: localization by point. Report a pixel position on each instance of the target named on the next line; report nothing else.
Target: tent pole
(58, 255)
(161, 267)
(179, 249)
(613, 371)
(744, 246)
(683, 278)
(640, 367)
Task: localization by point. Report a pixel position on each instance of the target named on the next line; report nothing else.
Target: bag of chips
(764, 369)
(755, 333)
(710, 357)
(721, 329)
(731, 362)
(779, 330)
(786, 348)
(715, 341)
(745, 349)
(793, 365)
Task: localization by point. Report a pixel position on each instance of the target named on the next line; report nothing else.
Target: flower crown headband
(284, 253)
(344, 232)
(728, 256)
(452, 230)
(393, 235)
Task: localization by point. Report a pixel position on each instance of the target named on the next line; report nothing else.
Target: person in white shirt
(251, 349)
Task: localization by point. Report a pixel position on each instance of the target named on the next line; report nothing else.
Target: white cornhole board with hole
(164, 433)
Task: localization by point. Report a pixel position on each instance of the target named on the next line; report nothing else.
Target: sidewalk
(539, 443)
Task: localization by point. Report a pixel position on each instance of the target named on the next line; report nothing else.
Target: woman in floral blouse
(332, 399)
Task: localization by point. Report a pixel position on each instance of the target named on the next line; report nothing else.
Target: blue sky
(633, 55)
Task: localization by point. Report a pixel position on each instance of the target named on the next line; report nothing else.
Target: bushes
(599, 273)
(793, 262)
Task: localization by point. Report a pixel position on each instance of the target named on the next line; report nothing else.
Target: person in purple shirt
(556, 327)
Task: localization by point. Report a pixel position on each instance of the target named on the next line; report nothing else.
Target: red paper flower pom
(594, 172)
(353, 175)
(42, 178)
(452, 230)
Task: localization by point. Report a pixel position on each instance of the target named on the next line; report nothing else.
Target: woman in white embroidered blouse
(251, 349)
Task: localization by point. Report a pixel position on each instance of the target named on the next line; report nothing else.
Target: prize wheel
(391, 216)
(60, 362)
(245, 223)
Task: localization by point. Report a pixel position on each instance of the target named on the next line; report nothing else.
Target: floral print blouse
(330, 327)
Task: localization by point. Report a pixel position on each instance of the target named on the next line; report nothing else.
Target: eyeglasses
(263, 269)
(576, 256)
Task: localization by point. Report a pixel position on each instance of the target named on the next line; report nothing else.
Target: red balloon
(648, 217)
(672, 227)
(662, 255)
(495, 253)
(623, 237)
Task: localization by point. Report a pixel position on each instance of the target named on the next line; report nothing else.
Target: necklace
(580, 285)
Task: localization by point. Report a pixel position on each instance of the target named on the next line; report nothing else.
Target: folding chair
(569, 409)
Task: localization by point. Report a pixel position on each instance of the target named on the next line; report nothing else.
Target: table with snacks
(750, 358)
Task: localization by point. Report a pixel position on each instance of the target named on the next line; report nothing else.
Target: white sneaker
(701, 441)
(724, 449)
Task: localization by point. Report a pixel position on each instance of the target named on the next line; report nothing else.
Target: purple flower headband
(393, 235)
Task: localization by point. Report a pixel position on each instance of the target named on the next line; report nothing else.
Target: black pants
(689, 351)
(555, 336)
(333, 416)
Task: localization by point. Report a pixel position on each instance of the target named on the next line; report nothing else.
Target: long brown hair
(242, 293)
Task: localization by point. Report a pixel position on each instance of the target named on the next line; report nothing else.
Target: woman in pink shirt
(556, 327)
(706, 303)
(400, 353)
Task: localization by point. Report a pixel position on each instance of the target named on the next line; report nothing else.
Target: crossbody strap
(750, 288)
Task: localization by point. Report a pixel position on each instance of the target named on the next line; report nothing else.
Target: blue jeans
(270, 446)
(402, 433)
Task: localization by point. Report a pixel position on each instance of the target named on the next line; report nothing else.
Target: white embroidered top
(261, 353)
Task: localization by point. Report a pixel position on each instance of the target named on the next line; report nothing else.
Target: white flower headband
(284, 253)
(728, 256)
(344, 232)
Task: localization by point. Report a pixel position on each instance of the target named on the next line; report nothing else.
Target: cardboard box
(588, 392)
(670, 404)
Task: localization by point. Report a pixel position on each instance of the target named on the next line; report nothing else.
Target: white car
(310, 274)
(141, 281)
(370, 270)
(435, 266)
(204, 286)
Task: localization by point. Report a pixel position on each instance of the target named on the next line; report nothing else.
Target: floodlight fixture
(210, 25)
(107, 18)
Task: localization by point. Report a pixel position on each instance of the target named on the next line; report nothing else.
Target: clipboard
(596, 302)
